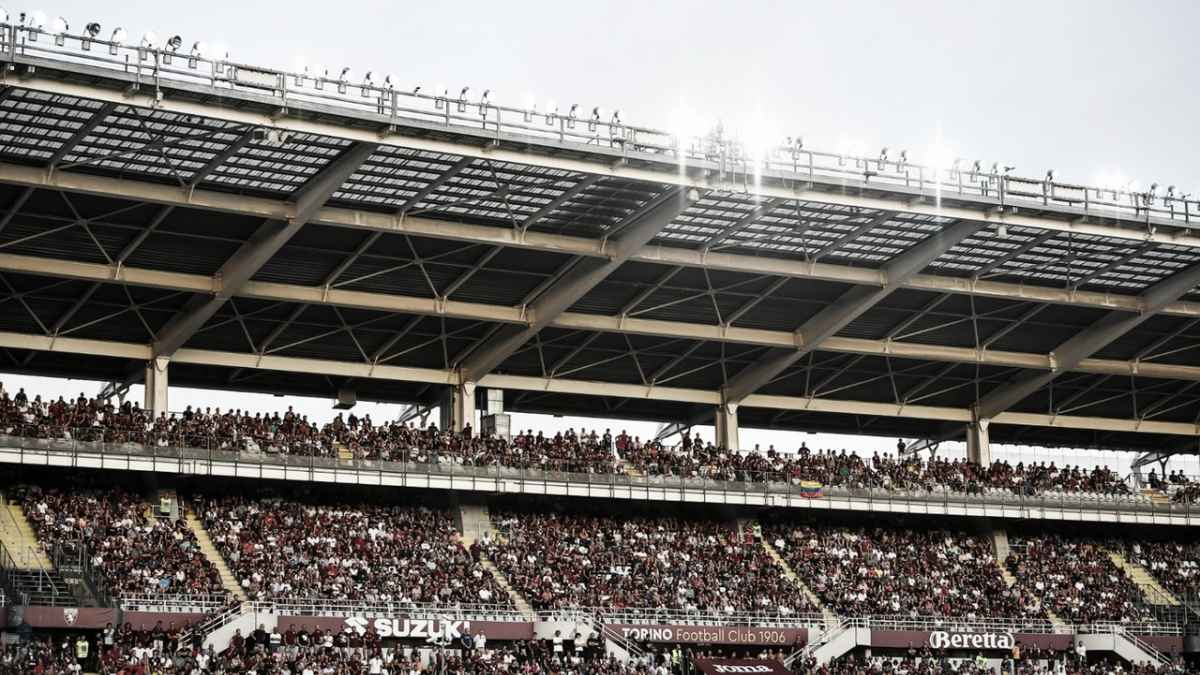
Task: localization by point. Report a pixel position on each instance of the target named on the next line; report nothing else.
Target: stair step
(228, 580)
(831, 619)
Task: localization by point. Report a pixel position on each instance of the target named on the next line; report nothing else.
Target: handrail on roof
(154, 66)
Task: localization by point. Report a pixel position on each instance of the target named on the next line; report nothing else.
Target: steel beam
(860, 230)
(81, 133)
(849, 306)
(635, 232)
(1087, 342)
(258, 290)
(260, 248)
(562, 244)
(250, 361)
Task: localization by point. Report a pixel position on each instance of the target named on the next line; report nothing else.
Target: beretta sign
(944, 640)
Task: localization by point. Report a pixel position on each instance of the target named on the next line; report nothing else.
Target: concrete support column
(458, 407)
(978, 447)
(156, 386)
(727, 426)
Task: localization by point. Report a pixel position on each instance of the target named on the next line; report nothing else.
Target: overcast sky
(1088, 88)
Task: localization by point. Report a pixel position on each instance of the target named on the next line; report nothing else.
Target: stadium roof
(277, 232)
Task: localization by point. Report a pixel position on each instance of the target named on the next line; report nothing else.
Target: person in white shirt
(375, 665)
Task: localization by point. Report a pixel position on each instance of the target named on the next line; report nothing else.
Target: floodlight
(118, 37)
(571, 115)
(616, 117)
(92, 29)
(174, 43)
(1050, 176)
(148, 40)
(462, 99)
(389, 82)
(346, 72)
(416, 90)
(367, 83)
(199, 49)
(59, 27)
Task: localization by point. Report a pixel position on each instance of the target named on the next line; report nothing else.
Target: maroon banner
(727, 666)
(955, 640)
(62, 617)
(430, 629)
(148, 619)
(1167, 644)
(713, 635)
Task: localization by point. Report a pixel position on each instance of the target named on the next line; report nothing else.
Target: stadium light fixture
(616, 118)
(198, 50)
(594, 121)
(551, 112)
(389, 81)
(342, 78)
(484, 102)
(462, 99)
(367, 84)
(416, 90)
(148, 41)
(35, 22)
(117, 38)
(572, 114)
(171, 47)
(1050, 176)
(440, 96)
(92, 31)
(59, 27)
(220, 54)
(530, 109)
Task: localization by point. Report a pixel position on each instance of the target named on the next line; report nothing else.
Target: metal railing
(156, 68)
(202, 453)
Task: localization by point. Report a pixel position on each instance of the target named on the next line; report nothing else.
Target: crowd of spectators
(583, 451)
(1025, 661)
(133, 552)
(1177, 485)
(1176, 565)
(900, 572)
(1076, 580)
(562, 561)
(290, 550)
(301, 650)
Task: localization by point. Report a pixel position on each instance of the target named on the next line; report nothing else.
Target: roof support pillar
(978, 447)
(458, 407)
(156, 386)
(848, 307)
(727, 426)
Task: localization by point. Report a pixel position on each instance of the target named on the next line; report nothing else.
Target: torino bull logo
(944, 640)
(444, 629)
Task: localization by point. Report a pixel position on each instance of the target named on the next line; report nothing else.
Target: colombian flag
(810, 489)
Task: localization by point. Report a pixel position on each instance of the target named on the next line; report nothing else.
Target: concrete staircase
(19, 539)
(228, 580)
(1153, 591)
(475, 524)
(827, 614)
(1060, 626)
